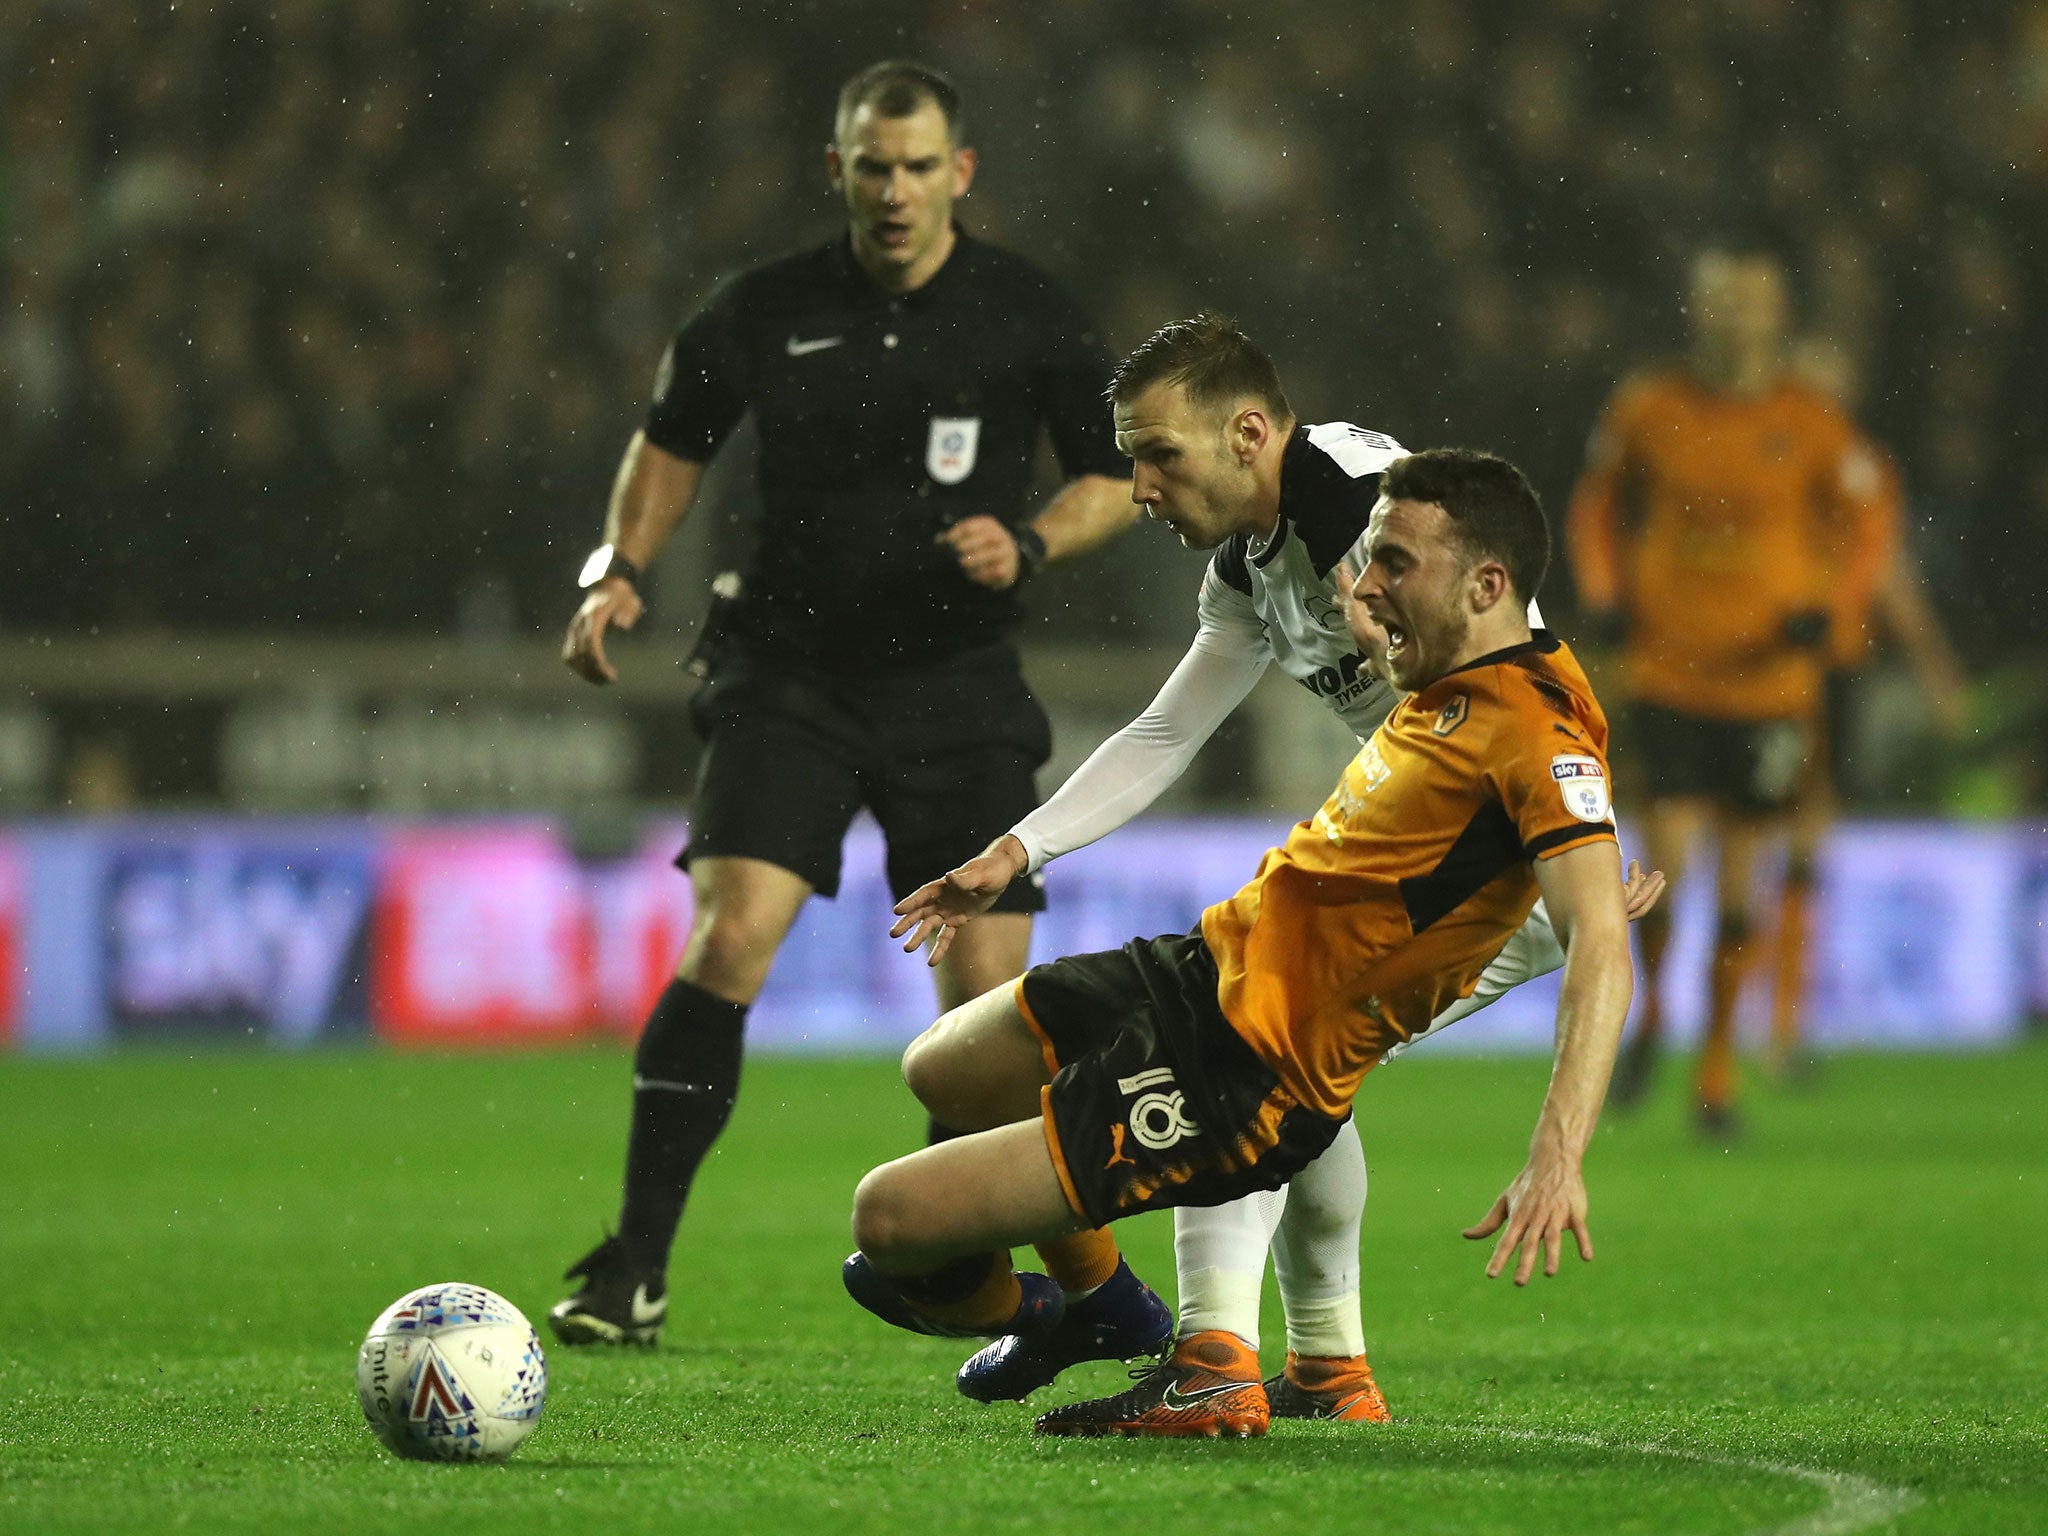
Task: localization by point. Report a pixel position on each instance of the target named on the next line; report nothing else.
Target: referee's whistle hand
(986, 551)
(610, 602)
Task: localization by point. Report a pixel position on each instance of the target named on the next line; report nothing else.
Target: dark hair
(897, 88)
(1210, 358)
(1488, 500)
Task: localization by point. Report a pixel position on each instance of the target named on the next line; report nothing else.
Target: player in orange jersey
(1196, 1068)
(1706, 536)
(1875, 588)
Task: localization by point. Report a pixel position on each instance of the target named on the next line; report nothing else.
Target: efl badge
(949, 454)
(1583, 783)
(1452, 715)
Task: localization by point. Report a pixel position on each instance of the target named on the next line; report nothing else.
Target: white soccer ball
(452, 1372)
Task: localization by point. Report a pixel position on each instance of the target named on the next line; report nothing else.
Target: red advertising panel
(496, 933)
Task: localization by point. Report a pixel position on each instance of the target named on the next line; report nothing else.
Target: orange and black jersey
(1382, 911)
(1711, 519)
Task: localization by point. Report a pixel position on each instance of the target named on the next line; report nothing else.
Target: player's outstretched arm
(650, 494)
(1582, 888)
(1121, 777)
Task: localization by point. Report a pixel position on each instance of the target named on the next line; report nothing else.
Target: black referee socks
(686, 1074)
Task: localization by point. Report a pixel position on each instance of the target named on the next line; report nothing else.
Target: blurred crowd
(339, 313)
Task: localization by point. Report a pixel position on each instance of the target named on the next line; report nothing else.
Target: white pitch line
(1854, 1503)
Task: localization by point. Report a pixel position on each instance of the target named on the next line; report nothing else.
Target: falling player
(1195, 1069)
(1219, 457)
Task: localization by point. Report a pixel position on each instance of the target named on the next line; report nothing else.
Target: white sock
(1219, 1254)
(1315, 1251)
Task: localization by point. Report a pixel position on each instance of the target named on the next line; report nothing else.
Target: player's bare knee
(932, 1072)
(881, 1214)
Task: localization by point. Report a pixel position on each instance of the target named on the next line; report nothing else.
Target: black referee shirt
(884, 418)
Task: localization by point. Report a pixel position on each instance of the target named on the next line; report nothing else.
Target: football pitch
(1837, 1327)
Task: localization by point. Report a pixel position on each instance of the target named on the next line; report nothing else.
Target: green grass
(191, 1247)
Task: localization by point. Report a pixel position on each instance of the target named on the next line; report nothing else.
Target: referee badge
(949, 452)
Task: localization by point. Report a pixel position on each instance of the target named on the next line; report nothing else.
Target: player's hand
(611, 601)
(933, 913)
(1547, 1200)
(986, 551)
(1368, 636)
(1640, 892)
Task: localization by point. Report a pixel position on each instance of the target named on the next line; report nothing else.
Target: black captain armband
(1030, 550)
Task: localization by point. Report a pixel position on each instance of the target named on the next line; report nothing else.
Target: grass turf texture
(194, 1245)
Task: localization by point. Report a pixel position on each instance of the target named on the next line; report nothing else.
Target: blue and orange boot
(1121, 1319)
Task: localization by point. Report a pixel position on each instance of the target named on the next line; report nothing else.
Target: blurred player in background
(1195, 1069)
(1876, 591)
(901, 377)
(1724, 508)
(1221, 460)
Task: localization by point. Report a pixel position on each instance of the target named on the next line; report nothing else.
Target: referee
(900, 378)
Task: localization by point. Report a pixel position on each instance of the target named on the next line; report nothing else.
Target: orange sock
(992, 1299)
(1082, 1262)
(1717, 1058)
(1789, 991)
(1225, 1354)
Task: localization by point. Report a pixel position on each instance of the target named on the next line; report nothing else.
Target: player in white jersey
(1285, 507)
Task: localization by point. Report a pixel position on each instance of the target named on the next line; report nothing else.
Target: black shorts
(943, 754)
(1755, 766)
(1155, 1100)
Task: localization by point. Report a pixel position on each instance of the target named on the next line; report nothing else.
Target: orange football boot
(1327, 1387)
(1208, 1386)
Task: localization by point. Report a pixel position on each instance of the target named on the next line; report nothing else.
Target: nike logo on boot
(1174, 1398)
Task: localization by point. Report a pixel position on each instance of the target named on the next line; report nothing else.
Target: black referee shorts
(1155, 1100)
(942, 753)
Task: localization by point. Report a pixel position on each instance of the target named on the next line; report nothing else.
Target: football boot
(1040, 1305)
(1209, 1386)
(1121, 1319)
(1327, 1387)
(616, 1304)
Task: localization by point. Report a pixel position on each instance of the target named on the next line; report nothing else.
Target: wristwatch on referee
(1030, 550)
(605, 561)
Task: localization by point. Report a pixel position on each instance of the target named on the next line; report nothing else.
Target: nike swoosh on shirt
(1174, 1398)
(797, 348)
